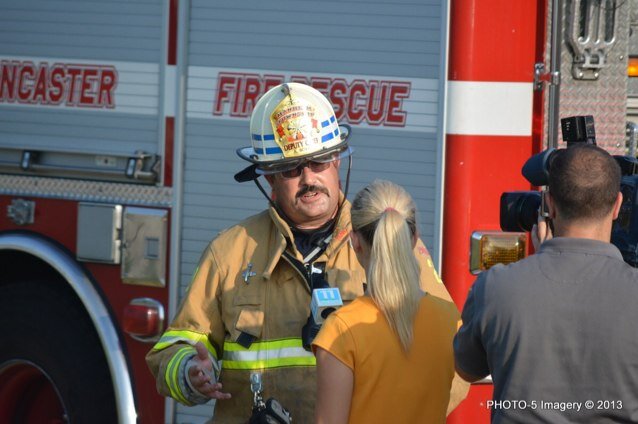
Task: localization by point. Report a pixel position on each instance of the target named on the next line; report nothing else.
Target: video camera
(519, 209)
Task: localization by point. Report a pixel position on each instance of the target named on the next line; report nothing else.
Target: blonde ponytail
(383, 214)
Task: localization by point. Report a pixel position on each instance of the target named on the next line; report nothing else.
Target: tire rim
(29, 395)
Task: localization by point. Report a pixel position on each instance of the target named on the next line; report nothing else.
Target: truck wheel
(52, 368)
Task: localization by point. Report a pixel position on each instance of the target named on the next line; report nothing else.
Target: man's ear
(617, 205)
(270, 179)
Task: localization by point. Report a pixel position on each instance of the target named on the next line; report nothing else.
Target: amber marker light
(143, 319)
(488, 248)
(632, 67)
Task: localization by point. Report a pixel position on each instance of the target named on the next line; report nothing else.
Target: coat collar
(281, 233)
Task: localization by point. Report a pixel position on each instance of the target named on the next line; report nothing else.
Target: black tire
(44, 323)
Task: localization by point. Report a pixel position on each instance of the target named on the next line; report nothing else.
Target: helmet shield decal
(290, 123)
(295, 126)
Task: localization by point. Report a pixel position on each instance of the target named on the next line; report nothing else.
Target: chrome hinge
(541, 77)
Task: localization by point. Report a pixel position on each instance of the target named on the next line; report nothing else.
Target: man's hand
(541, 232)
(201, 375)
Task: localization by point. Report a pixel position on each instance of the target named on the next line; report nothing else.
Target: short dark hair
(584, 182)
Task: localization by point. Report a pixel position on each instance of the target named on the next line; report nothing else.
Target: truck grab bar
(140, 167)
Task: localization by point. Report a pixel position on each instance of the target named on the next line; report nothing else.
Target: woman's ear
(356, 242)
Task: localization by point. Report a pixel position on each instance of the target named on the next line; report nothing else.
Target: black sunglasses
(314, 167)
(294, 168)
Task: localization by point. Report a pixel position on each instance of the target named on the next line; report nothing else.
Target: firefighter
(244, 328)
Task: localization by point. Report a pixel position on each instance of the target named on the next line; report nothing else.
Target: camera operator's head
(584, 190)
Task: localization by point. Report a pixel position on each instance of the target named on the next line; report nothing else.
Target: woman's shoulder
(358, 309)
(359, 303)
(440, 305)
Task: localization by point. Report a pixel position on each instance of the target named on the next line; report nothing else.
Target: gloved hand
(201, 377)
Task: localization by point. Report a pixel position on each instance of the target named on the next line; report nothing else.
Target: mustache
(316, 188)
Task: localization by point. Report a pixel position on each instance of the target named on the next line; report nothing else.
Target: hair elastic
(389, 208)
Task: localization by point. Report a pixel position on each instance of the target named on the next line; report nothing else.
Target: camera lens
(519, 210)
(527, 210)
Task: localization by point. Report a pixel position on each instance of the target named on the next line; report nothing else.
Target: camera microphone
(324, 302)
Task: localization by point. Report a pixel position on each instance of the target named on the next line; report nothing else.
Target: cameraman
(557, 331)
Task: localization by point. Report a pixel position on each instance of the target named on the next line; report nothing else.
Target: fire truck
(118, 128)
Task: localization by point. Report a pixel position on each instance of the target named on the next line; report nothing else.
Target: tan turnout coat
(244, 284)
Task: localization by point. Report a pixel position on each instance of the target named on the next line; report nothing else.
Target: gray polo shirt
(556, 330)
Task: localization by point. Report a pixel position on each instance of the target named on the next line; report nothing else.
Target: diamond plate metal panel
(604, 98)
(87, 191)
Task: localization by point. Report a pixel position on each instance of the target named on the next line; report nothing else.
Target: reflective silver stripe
(263, 355)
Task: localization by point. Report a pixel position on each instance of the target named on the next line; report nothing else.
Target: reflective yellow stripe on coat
(267, 354)
(172, 375)
(171, 337)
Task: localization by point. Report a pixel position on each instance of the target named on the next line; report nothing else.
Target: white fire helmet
(292, 123)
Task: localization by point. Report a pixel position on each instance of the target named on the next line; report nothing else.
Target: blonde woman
(387, 356)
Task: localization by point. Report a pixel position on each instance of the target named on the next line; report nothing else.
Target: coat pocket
(250, 321)
(248, 306)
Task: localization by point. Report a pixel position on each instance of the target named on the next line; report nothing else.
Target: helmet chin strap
(285, 217)
(345, 192)
(273, 204)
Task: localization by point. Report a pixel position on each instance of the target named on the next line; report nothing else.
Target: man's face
(310, 199)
